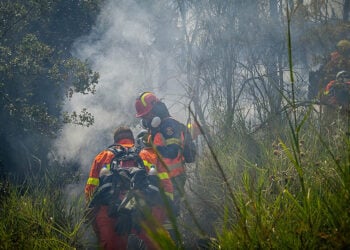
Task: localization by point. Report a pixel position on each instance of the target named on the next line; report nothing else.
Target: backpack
(125, 157)
(127, 172)
(189, 149)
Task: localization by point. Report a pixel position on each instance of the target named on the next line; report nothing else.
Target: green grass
(296, 196)
(36, 218)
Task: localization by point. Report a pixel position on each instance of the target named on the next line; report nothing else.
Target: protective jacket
(168, 140)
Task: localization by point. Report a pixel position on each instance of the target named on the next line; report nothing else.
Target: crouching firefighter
(120, 195)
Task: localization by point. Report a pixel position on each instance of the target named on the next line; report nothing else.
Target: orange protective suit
(168, 140)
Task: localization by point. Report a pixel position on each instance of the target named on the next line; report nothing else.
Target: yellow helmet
(343, 44)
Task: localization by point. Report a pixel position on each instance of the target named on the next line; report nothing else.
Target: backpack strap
(122, 153)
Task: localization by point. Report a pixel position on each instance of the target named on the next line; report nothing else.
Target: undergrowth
(36, 217)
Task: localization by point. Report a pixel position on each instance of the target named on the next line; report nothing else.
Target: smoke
(132, 54)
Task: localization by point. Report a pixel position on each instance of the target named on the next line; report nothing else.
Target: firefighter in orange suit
(167, 140)
(337, 92)
(104, 225)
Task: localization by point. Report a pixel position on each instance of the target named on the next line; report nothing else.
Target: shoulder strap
(117, 151)
(122, 153)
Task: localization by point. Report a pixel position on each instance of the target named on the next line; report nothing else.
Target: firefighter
(337, 92)
(167, 139)
(105, 223)
(339, 60)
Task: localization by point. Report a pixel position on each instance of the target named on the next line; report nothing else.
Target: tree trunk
(346, 10)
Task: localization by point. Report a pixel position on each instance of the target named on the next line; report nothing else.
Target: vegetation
(37, 75)
(274, 170)
(276, 164)
(37, 217)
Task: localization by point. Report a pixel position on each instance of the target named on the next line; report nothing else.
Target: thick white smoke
(123, 48)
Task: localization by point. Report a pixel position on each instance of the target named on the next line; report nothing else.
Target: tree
(346, 10)
(38, 73)
(233, 58)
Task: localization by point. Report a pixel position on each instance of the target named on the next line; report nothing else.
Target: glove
(124, 222)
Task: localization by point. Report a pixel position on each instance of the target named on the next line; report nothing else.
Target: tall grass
(294, 203)
(289, 193)
(297, 196)
(35, 217)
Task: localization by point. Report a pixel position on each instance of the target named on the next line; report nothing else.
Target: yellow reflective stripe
(173, 141)
(147, 164)
(326, 92)
(170, 195)
(143, 98)
(163, 176)
(93, 181)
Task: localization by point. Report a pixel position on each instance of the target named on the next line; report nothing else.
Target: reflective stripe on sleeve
(163, 176)
(147, 164)
(170, 195)
(93, 181)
